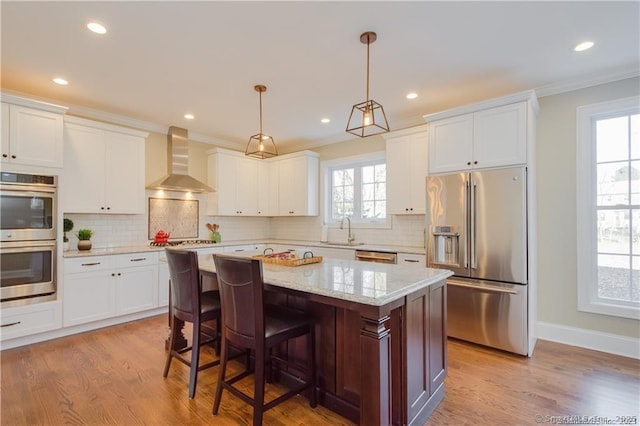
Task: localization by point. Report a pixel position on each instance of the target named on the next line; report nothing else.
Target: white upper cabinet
(234, 178)
(104, 169)
(483, 135)
(298, 184)
(265, 204)
(406, 170)
(281, 186)
(32, 133)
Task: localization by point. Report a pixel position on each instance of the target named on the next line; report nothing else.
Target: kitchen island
(381, 335)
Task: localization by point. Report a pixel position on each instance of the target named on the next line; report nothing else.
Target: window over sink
(356, 187)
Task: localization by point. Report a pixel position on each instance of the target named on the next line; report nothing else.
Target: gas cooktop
(182, 243)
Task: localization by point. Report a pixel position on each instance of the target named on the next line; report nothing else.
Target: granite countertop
(368, 283)
(147, 248)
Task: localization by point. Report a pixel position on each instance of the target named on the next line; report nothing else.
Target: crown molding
(587, 81)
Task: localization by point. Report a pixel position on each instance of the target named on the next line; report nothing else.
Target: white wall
(556, 171)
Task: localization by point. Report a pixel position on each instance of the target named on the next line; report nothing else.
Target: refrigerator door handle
(463, 247)
(485, 287)
(472, 234)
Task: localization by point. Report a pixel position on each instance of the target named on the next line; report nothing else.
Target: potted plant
(67, 226)
(84, 239)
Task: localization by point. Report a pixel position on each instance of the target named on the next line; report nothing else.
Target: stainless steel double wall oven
(28, 217)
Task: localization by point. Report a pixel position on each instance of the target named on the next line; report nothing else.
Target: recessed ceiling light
(412, 95)
(325, 120)
(97, 28)
(189, 116)
(583, 46)
(60, 81)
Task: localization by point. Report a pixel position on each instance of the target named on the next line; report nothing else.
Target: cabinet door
(35, 137)
(124, 182)
(297, 189)
(406, 174)
(450, 144)
(247, 187)
(437, 320)
(225, 184)
(4, 132)
(263, 184)
(136, 289)
(500, 136)
(84, 173)
(88, 297)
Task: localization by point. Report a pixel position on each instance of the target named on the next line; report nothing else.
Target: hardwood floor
(114, 376)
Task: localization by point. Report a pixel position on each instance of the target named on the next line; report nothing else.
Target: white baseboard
(596, 340)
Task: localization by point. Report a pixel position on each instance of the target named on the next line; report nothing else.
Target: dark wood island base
(380, 348)
(377, 365)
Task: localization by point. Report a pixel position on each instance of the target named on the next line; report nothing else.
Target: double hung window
(357, 188)
(608, 200)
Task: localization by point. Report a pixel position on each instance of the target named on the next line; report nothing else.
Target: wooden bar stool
(249, 323)
(189, 304)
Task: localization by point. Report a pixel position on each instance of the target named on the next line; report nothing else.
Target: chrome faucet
(351, 237)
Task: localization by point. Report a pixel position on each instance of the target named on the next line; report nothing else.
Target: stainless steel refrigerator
(477, 228)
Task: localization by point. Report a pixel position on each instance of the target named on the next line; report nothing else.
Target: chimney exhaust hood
(178, 178)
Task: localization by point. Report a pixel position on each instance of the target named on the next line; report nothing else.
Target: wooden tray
(289, 262)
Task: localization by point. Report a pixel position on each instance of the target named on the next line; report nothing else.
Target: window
(356, 187)
(609, 208)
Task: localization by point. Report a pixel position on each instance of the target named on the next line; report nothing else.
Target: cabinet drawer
(409, 259)
(87, 264)
(135, 259)
(32, 319)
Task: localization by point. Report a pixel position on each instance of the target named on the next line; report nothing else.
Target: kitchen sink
(331, 243)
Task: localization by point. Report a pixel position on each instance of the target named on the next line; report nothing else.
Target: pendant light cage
(367, 118)
(260, 145)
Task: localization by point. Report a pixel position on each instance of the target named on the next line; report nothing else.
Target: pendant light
(261, 145)
(367, 118)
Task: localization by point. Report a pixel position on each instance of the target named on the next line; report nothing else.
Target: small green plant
(67, 226)
(84, 234)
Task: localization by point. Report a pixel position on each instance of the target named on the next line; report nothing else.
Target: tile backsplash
(132, 230)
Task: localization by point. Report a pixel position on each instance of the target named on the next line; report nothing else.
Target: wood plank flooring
(113, 376)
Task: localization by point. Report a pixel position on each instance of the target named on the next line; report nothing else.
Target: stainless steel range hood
(178, 178)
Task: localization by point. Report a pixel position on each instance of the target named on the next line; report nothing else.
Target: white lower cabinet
(244, 248)
(410, 259)
(30, 319)
(100, 287)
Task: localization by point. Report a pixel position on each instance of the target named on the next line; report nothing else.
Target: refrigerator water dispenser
(445, 246)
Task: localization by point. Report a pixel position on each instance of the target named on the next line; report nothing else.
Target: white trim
(104, 126)
(589, 339)
(586, 81)
(588, 300)
(529, 96)
(30, 103)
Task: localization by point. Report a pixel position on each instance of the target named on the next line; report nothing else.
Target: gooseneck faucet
(351, 237)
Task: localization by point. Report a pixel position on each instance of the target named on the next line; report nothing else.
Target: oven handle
(25, 246)
(27, 191)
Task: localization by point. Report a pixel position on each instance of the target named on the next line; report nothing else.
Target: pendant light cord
(368, 44)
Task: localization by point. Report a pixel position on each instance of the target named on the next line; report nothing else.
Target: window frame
(327, 167)
(586, 211)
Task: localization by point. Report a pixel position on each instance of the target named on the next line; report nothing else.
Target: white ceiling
(161, 60)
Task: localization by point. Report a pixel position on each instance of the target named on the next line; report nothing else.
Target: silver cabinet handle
(91, 264)
(411, 260)
(10, 324)
(139, 259)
